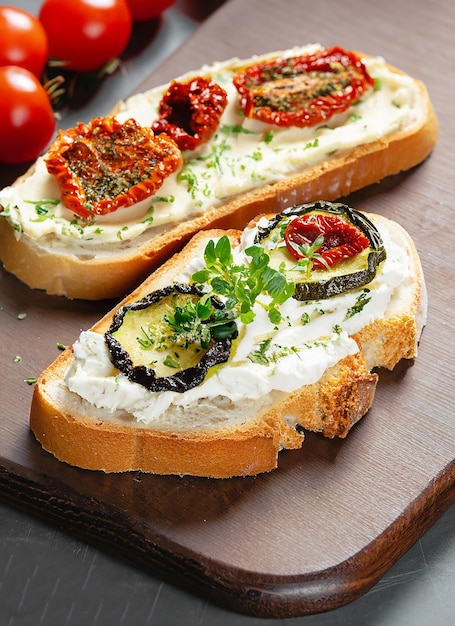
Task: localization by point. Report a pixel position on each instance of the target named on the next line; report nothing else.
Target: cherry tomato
(86, 34)
(143, 10)
(23, 40)
(27, 120)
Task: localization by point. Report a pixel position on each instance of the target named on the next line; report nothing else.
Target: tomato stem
(54, 89)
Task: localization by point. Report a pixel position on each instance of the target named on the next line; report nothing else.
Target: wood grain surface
(322, 529)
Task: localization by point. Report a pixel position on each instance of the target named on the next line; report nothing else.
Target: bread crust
(331, 406)
(79, 434)
(84, 277)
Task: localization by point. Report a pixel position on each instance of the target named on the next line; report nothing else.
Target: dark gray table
(52, 578)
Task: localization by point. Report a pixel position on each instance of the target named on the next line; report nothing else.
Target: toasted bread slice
(223, 436)
(80, 267)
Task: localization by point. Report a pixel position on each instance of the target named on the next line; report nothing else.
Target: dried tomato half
(340, 240)
(190, 112)
(302, 90)
(106, 164)
(329, 248)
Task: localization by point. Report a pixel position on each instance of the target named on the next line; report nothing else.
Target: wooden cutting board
(322, 529)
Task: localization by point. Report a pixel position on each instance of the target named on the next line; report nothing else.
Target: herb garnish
(259, 356)
(308, 255)
(199, 322)
(236, 129)
(361, 301)
(265, 356)
(43, 208)
(170, 362)
(241, 285)
(213, 158)
(150, 215)
(187, 174)
(120, 232)
(311, 144)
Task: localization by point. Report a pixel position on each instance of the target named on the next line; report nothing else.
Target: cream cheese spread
(312, 337)
(242, 155)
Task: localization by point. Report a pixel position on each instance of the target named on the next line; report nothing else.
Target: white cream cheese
(299, 353)
(243, 154)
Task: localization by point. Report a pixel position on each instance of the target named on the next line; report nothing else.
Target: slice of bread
(74, 268)
(225, 435)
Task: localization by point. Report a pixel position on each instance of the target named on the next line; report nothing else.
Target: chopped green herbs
(121, 232)
(361, 301)
(150, 216)
(192, 323)
(266, 354)
(236, 129)
(311, 144)
(43, 208)
(256, 155)
(6, 212)
(188, 175)
(213, 159)
(171, 362)
(259, 356)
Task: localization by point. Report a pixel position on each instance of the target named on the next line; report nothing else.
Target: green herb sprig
(241, 285)
(44, 208)
(308, 255)
(360, 302)
(200, 322)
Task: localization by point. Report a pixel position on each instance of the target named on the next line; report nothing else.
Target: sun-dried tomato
(341, 240)
(302, 90)
(190, 112)
(105, 165)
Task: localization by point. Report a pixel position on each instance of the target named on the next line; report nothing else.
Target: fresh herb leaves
(241, 285)
(235, 129)
(199, 322)
(260, 355)
(360, 302)
(192, 322)
(267, 353)
(308, 255)
(44, 208)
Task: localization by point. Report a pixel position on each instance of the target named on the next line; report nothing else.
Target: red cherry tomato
(143, 10)
(27, 120)
(86, 34)
(23, 40)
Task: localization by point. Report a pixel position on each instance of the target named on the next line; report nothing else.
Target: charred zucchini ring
(168, 340)
(325, 248)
